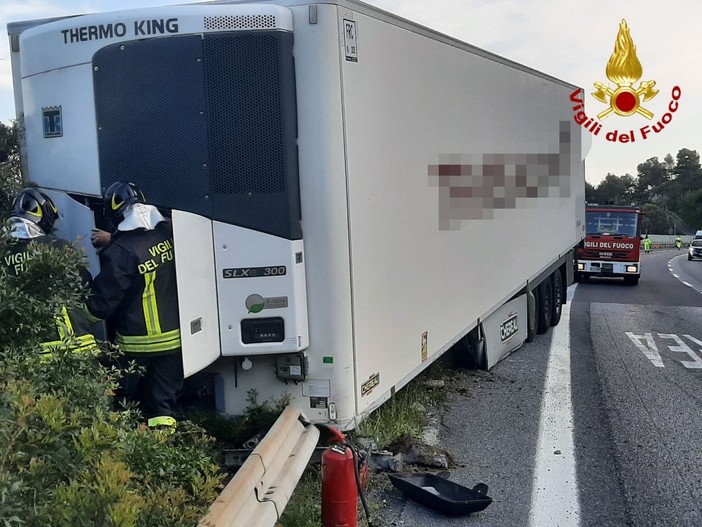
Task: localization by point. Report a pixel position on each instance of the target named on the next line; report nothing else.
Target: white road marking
(647, 345)
(555, 500)
(670, 268)
(649, 349)
(696, 362)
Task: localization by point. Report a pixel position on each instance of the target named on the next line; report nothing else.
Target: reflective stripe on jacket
(79, 343)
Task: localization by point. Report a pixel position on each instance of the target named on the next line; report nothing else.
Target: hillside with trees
(670, 192)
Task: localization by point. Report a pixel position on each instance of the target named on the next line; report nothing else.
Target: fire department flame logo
(624, 69)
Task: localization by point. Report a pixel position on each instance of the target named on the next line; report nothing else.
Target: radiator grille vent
(240, 22)
(246, 128)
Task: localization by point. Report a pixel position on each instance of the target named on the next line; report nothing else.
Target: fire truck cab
(611, 245)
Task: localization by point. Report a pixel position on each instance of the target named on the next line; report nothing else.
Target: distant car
(694, 250)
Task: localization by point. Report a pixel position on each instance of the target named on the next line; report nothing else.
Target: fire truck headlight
(581, 267)
(632, 269)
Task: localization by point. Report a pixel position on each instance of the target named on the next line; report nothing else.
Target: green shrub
(67, 459)
(30, 300)
(256, 420)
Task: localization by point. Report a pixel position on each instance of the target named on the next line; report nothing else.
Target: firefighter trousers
(156, 388)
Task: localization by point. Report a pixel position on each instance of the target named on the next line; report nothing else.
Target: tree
(671, 191)
(686, 176)
(651, 175)
(669, 163)
(655, 220)
(690, 208)
(8, 140)
(590, 193)
(629, 183)
(687, 170)
(616, 190)
(10, 175)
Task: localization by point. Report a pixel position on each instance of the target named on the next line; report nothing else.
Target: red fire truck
(611, 244)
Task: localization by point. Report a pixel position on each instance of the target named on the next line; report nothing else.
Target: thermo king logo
(51, 121)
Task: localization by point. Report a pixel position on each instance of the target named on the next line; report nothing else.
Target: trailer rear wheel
(557, 305)
(545, 303)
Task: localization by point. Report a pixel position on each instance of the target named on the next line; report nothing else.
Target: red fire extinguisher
(344, 473)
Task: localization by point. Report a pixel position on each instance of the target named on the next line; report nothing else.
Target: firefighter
(31, 222)
(647, 244)
(678, 242)
(136, 289)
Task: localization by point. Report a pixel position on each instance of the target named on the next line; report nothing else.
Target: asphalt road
(598, 422)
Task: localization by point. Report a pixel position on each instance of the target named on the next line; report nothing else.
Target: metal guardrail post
(259, 491)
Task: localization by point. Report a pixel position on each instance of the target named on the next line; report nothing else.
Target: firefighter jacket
(72, 326)
(136, 289)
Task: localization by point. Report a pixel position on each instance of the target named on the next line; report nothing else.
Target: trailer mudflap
(505, 330)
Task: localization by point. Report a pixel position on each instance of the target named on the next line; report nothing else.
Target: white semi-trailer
(352, 194)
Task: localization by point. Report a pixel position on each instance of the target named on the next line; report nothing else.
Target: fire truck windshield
(611, 222)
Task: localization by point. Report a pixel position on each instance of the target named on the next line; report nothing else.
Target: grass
(404, 416)
(305, 506)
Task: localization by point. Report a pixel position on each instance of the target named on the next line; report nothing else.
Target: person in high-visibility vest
(31, 222)
(678, 242)
(647, 244)
(136, 288)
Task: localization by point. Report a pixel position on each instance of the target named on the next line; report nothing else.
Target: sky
(571, 40)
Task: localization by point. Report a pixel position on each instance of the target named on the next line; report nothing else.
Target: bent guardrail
(258, 493)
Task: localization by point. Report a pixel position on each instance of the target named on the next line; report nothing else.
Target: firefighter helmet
(117, 198)
(35, 206)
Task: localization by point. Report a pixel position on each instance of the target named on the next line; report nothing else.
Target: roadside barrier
(259, 491)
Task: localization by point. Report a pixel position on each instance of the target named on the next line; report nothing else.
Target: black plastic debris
(441, 494)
